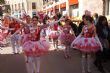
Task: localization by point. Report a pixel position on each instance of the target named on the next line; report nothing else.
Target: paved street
(54, 62)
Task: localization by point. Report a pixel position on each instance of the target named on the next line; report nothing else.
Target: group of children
(34, 43)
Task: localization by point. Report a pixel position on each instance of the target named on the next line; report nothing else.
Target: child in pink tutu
(53, 35)
(37, 39)
(27, 46)
(66, 37)
(42, 46)
(88, 43)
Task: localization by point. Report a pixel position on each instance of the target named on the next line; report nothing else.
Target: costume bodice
(66, 29)
(35, 31)
(88, 31)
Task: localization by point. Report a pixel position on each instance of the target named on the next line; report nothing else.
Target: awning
(57, 7)
(72, 2)
(62, 5)
(44, 10)
(50, 9)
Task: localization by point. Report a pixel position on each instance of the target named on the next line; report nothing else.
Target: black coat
(74, 28)
(80, 27)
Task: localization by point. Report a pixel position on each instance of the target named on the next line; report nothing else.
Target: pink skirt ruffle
(53, 34)
(41, 47)
(27, 48)
(66, 39)
(86, 44)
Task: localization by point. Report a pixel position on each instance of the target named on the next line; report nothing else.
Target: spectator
(103, 32)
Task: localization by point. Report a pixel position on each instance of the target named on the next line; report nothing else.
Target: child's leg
(13, 44)
(53, 42)
(89, 61)
(37, 63)
(17, 46)
(83, 63)
(67, 54)
(30, 66)
(56, 42)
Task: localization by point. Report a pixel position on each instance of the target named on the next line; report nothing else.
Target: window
(56, 0)
(22, 5)
(12, 7)
(19, 6)
(33, 5)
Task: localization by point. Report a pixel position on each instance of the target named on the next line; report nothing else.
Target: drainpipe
(103, 7)
(67, 8)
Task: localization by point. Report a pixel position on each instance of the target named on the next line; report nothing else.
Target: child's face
(35, 21)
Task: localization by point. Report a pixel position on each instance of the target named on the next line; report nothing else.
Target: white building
(63, 6)
(77, 7)
(71, 7)
(29, 6)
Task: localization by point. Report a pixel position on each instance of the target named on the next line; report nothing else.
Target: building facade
(72, 8)
(63, 6)
(77, 7)
(29, 6)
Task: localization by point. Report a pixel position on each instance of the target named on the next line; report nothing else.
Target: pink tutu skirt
(27, 48)
(66, 39)
(41, 47)
(53, 34)
(1, 37)
(87, 45)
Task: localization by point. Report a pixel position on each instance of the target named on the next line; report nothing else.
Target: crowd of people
(34, 34)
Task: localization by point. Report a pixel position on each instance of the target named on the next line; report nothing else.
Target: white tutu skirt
(27, 48)
(41, 47)
(66, 39)
(87, 45)
(53, 34)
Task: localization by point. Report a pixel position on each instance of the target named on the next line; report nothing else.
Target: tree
(1, 11)
(2, 1)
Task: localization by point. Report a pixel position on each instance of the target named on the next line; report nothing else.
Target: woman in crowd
(103, 32)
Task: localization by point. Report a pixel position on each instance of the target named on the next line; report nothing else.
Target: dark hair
(100, 26)
(27, 16)
(100, 20)
(83, 16)
(35, 17)
(96, 15)
(89, 18)
(73, 26)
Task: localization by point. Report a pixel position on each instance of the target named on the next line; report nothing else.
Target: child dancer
(41, 46)
(88, 43)
(66, 37)
(28, 45)
(54, 35)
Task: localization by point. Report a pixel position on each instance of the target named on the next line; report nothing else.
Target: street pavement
(54, 62)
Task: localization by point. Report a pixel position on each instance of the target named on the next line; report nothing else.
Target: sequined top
(88, 31)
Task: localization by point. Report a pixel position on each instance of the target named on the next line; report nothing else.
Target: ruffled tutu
(53, 34)
(87, 45)
(66, 39)
(1, 37)
(27, 48)
(41, 47)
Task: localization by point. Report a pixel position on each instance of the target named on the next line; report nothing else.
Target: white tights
(86, 62)
(33, 64)
(37, 64)
(30, 65)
